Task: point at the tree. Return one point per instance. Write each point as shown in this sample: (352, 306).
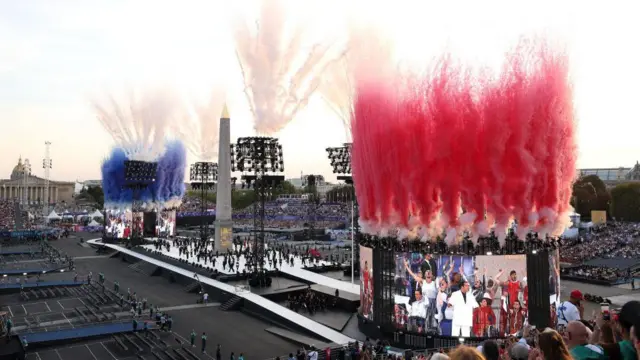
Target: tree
(240, 199)
(590, 193)
(625, 202)
(97, 194)
(196, 194)
(287, 188)
(340, 193)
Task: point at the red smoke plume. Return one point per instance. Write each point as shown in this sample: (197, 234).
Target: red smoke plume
(448, 151)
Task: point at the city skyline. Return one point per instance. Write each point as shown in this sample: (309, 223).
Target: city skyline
(53, 56)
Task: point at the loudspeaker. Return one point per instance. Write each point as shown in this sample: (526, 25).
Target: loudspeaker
(149, 219)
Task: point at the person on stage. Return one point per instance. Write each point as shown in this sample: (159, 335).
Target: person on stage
(483, 317)
(517, 318)
(462, 303)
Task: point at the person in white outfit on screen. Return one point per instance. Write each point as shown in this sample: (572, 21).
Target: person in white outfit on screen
(462, 302)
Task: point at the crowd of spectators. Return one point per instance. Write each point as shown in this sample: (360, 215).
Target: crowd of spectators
(608, 240)
(7, 214)
(595, 272)
(597, 338)
(284, 213)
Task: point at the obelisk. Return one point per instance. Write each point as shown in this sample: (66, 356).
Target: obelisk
(224, 222)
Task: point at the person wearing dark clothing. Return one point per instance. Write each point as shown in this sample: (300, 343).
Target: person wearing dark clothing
(193, 338)
(429, 264)
(218, 353)
(204, 342)
(135, 325)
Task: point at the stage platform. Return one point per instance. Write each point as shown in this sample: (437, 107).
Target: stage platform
(319, 329)
(88, 331)
(41, 284)
(174, 253)
(296, 270)
(31, 270)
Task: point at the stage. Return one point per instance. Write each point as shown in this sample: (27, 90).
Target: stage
(312, 326)
(297, 270)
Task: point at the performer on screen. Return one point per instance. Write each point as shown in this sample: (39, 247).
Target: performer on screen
(429, 264)
(517, 318)
(418, 312)
(553, 321)
(462, 303)
(366, 277)
(504, 312)
(513, 286)
(483, 317)
(428, 289)
(400, 317)
(445, 313)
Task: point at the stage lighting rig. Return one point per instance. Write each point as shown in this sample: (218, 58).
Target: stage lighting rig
(259, 158)
(310, 184)
(203, 176)
(340, 158)
(138, 176)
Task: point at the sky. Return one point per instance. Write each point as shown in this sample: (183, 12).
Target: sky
(55, 55)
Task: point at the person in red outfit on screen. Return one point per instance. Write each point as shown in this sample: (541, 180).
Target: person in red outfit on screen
(513, 286)
(517, 318)
(483, 317)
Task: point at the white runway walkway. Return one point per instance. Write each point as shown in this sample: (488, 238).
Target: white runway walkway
(301, 320)
(296, 270)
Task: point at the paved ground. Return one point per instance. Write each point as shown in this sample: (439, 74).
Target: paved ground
(234, 331)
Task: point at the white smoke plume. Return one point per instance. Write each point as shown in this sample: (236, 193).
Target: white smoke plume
(137, 121)
(200, 128)
(280, 70)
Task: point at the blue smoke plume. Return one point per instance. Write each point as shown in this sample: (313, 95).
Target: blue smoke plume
(166, 192)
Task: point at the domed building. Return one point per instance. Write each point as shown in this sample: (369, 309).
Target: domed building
(12, 188)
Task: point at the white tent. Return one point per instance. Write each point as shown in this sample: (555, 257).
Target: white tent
(67, 215)
(93, 223)
(53, 216)
(96, 214)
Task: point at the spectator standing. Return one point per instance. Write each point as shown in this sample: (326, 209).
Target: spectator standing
(570, 310)
(465, 353)
(577, 339)
(625, 349)
(551, 347)
(204, 342)
(193, 338)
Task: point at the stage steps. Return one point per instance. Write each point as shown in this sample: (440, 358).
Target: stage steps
(232, 304)
(193, 287)
(144, 267)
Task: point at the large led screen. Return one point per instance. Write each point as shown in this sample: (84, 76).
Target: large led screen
(366, 283)
(460, 296)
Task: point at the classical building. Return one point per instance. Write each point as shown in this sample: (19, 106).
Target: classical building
(14, 187)
(614, 176)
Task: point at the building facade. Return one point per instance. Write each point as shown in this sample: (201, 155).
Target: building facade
(613, 176)
(15, 188)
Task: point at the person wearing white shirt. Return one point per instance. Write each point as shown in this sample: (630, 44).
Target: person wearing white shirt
(569, 310)
(418, 312)
(462, 302)
(429, 290)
